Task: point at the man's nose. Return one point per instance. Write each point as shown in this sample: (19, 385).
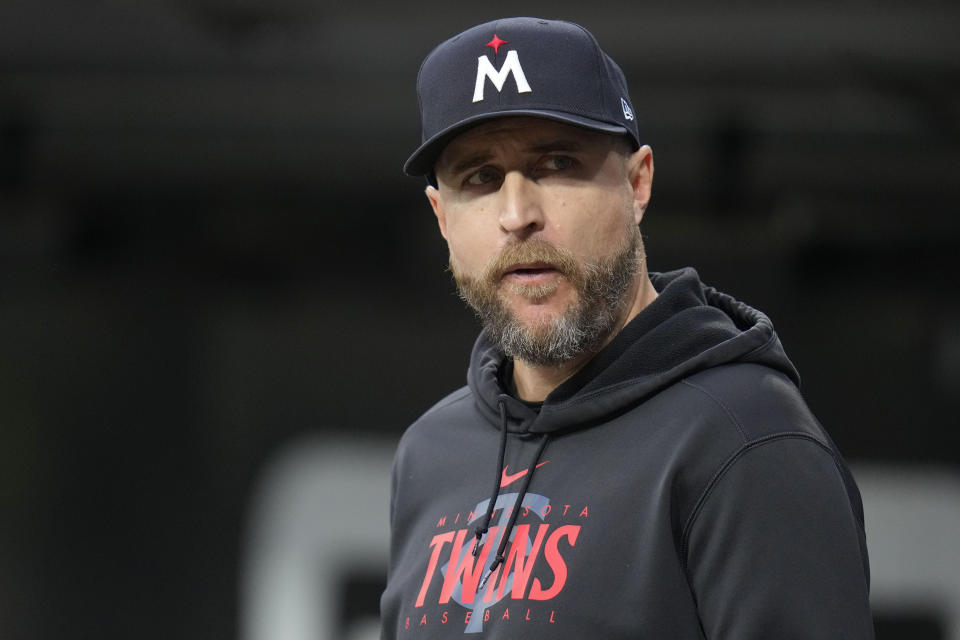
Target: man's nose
(521, 211)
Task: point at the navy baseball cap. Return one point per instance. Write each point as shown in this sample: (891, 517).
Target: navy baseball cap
(518, 67)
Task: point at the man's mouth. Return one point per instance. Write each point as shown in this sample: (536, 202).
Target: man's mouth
(530, 272)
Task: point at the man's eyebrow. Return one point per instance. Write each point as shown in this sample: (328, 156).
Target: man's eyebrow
(470, 162)
(482, 157)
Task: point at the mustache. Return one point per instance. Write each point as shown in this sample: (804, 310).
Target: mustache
(532, 251)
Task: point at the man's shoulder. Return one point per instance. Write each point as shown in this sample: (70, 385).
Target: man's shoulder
(453, 402)
(440, 429)
(760, 401)
(450, 409)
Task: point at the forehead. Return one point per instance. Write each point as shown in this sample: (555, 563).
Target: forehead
(524, 133)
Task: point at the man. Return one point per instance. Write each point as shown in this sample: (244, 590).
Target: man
(631, 457)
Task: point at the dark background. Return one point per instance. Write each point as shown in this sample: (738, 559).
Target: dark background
(207, 248)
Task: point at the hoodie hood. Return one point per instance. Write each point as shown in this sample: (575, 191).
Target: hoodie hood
(688, 328)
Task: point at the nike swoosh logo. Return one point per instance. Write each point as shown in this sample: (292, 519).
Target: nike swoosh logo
(510, 478)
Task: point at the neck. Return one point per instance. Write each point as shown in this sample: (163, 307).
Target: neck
(535, 382)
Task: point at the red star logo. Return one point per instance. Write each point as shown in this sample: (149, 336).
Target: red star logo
(495, 43)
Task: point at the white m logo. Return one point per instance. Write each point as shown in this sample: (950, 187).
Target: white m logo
(510, 65)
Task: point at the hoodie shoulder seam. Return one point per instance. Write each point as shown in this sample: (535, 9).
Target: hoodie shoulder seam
(708, 491)
(717, 401)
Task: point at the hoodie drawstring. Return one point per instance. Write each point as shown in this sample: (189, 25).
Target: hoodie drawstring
(484, 525)
(505, 538)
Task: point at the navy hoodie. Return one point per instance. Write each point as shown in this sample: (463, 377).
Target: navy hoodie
(675, 487)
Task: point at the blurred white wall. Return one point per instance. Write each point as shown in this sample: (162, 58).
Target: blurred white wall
(318, 516)
(913, 532)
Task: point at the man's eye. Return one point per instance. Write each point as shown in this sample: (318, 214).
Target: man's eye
(558, 163)
(481, 177)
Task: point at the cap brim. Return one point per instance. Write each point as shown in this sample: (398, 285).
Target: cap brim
(421, 162)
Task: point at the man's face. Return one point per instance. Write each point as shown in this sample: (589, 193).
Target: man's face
(541, 222)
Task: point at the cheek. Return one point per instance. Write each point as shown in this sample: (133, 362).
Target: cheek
(594, 226)
(470, 245)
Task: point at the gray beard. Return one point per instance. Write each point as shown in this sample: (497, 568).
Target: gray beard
(581, 329)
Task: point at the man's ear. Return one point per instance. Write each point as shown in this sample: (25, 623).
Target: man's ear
(433, 195)
(640, 173)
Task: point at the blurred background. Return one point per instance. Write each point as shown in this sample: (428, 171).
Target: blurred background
(221, 302)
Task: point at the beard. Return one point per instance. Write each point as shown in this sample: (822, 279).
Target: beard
(584, 327)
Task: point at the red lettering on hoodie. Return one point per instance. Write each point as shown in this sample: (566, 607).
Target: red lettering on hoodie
(518, 560)
(463, 568)
(556, 562)
(437, 545)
